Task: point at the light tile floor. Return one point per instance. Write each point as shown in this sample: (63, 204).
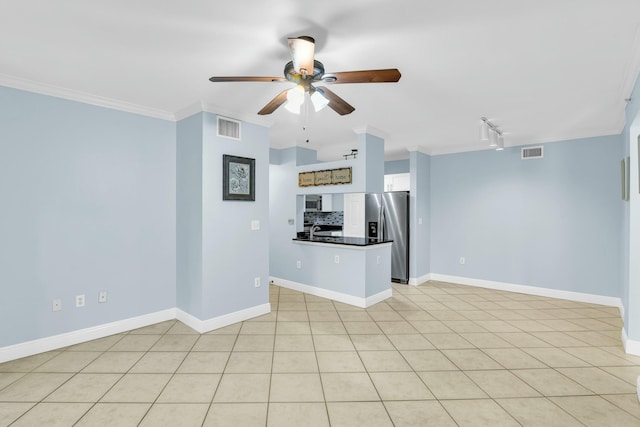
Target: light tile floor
(433, 355)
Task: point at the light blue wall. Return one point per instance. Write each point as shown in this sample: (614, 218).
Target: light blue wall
(396, 166)
(371, 148)
(551, 223)
(189, 215)
(420, 231)
(88, 204)
(233, 254)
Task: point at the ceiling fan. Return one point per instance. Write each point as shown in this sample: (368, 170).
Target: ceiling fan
(305, 72)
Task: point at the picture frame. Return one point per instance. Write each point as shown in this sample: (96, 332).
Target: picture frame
(238, 178)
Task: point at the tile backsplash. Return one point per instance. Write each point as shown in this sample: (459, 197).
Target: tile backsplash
(324, 218)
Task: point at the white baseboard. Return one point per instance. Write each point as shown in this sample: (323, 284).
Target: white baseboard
(41, 345)
(532, 290)
(333, 295)
(203, 326)
(415, 281)
(630, 346)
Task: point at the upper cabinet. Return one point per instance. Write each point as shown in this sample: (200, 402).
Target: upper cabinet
(397, 182)
(327, 203)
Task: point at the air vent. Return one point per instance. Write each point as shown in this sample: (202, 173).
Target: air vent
(532, 153)
(229, 128)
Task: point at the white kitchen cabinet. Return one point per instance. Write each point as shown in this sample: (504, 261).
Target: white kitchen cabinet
(327, 203)
(353, 215)
(397, 182)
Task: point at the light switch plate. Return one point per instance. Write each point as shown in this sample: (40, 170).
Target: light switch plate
(255, 224)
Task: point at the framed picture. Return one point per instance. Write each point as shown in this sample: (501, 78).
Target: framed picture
(238, 178)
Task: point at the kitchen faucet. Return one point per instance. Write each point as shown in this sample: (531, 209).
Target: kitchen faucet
(313, 229)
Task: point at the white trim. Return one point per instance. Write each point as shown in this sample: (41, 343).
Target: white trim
(41, 345)
(203, 326)
(415, 281)
(86, 98)
(630, 346)
(333, 295)
(532, 290)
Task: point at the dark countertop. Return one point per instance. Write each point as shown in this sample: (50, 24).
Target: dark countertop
(339, 240)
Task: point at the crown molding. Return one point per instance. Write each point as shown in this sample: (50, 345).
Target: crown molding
(370, 130)
(86, 98)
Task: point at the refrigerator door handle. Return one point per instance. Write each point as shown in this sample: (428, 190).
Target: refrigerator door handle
(383, 220)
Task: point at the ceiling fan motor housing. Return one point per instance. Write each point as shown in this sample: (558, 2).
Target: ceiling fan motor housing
(293, 76)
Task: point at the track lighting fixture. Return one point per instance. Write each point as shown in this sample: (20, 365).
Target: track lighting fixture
(490, 132)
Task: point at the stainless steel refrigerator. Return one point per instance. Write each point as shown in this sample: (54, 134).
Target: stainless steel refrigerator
(387, 217)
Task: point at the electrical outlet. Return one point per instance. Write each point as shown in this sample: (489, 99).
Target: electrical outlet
(256, 282)
(102, 296)
(255, 224)
(299, 264)
(336, 259)
(57, 305)
(378, 260)
(79, 300)
(419, 221)
(462, 260)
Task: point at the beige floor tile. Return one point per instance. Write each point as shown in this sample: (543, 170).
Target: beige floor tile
(448, 341)
(354, 316)
(597, 380)
(339, 361)
(33, 387)
(200, 362)
(362, 328)
(550, 382)
(243, 388)
(596, 356)
(10, 411)
(371, 342)
(418, 413)
(258, 328)
(452, 385)
(464, 326)
(236, 414)
(559, 339)
(294, 361)
(538, 412)
(323, 316)
(485, 340)
(294, 343)
(227, 330)
(253, 362)
(496, 325)
(556, 358)
(293, 316)
(135, 343)
(190, 388)
(384, 361)
(114, 414)
(159, 362)
(327, 328)
(410, 342)
(348, 387)
(114, 362)
(296, 388)
(358, 414)
(400, 386)
(101, 344)
(334, 343)
(175, 343)
(269, 317)
(396, 327)
(137, 388)
(470, 359)
(7, 378)
(478, 413)
(430, 326)
(254, 343)
(293, 328)
(53, 415)
(28, 364)
(523, 339)
(513, 358)
(84, 388)
(175, 415)
(155, 329)
(320, 306)
(627, 402)
(595, 338)
(415, 315)
(68, 361)
(629, 374)
(291, 306)
(297, 414)
(386, 316)
(428, 360)
(501, 384)
(214, 343)
(595, 411)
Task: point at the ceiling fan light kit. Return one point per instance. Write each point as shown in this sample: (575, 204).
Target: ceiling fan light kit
(304, 71)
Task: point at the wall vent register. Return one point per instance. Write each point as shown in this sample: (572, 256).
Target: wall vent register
(532, 153)
(228, 128)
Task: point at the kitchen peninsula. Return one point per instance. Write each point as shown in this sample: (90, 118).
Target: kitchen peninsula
(351, 270)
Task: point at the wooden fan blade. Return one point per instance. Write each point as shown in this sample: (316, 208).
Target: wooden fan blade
(336, 103)
(390, 75)
(248, 79)
(280, 99)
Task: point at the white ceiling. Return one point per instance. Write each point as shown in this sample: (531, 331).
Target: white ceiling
(542, 70)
